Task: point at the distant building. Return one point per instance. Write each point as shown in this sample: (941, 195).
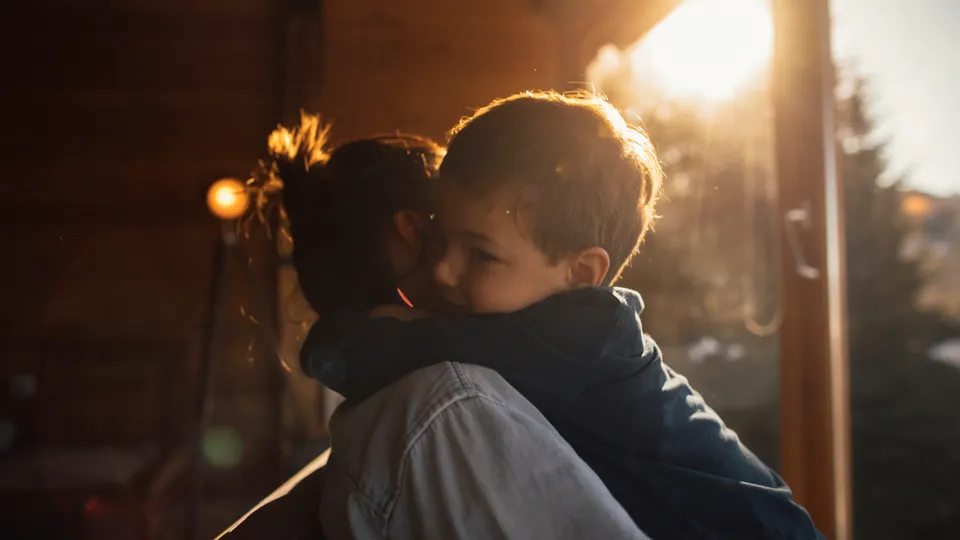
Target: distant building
(937, 244)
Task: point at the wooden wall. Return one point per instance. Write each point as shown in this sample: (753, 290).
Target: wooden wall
(422, 64)
(119, 115)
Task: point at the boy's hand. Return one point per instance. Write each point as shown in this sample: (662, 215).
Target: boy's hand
(398, 312)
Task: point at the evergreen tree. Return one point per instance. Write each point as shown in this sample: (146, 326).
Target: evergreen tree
(905, 410)
(882, 284)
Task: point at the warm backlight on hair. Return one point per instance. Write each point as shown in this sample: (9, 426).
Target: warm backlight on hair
(227, 198)
(708, 49)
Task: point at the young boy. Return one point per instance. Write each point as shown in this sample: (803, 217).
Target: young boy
(543, 199)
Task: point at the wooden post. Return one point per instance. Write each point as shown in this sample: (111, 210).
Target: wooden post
(815, 430)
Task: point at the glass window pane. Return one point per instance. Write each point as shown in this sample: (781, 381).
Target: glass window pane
(709, 272)
(898, 102)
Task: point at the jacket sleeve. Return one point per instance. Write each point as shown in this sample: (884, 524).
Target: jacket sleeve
(482, 469)
(356, 356)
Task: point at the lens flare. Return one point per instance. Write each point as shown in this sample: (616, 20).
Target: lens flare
(227, 198)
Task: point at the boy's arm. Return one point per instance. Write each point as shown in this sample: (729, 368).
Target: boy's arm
(355, 355)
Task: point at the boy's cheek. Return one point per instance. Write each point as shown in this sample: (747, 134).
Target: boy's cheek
(502, 294)
(489, 295)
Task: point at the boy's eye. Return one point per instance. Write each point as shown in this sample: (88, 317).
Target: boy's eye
(482, 256)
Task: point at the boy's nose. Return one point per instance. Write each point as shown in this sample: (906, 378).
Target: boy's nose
(444, 273)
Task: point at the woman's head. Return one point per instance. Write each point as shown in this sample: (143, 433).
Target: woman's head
(355, 213)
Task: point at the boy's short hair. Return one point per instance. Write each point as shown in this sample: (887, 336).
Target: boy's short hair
(340, 202)
(586, 177)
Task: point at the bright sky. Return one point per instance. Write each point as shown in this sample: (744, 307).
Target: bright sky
(910, 50)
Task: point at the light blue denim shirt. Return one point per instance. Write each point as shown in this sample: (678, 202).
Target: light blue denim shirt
(453, 452)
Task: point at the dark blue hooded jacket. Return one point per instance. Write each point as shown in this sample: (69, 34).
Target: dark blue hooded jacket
(582, 359)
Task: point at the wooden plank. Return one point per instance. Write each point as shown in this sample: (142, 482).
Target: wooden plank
(107, 281)
(236, 8)
(418, 66)
(151, 134)
(118, 213)
(162, 250)
(81, 383)
(149, 53)
(814, 427)
(139, 305)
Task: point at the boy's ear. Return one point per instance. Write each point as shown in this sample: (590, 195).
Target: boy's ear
(589, 267)
(408, 225)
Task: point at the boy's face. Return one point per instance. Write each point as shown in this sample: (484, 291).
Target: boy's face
(489, 263)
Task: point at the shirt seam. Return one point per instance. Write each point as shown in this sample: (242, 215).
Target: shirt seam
(469, 390)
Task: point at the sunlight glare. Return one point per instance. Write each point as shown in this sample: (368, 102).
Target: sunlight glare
(708, 49)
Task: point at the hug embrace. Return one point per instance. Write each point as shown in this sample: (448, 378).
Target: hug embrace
(498, 384)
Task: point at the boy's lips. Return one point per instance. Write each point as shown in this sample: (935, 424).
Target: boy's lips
(453, 308)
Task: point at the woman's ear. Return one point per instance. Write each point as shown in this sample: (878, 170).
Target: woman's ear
(405, 243)
(409, 225)
(588, 268)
